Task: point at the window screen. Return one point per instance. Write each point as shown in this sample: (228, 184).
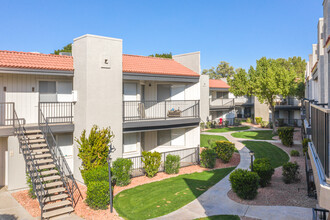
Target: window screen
(64, 88)
(163, 92)
(164, 138)
(222, 95)
(47, 87)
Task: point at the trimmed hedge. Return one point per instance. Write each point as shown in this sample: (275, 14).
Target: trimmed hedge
(286, 135)
(264, 124)
(264, 170)
(151, 161)
(172, 164)
(121, 169)
(290, 172)
(294, 153)
(258, 120)
(98, 195)
(244, 183)
(224, 150)
(208, 158)
(95, 174)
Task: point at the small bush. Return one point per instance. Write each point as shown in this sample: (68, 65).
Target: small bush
(305, 145)
(151, 161)
(237, 122)
(121, 171)
(244, 183)
(208, 124)
(280, 122)
(264, 124)
(226, 123)
(295, 153)
(248, 120)
(172, 164)
(202, 125)
(98, 195)
(208, 158)
(211, 142)
(31, 193)
(264, 170)
(258, 120)
(270, 125)
(95, 174)
(286, 135)
(224, 150)
(290, 172)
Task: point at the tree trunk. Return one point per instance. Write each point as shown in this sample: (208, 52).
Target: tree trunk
(272, 109)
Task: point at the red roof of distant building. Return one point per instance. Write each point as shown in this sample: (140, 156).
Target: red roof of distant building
(131, 63)
(28, 60)
(155, 65)
(218, 83)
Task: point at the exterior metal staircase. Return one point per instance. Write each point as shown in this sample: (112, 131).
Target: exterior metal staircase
(51, 177)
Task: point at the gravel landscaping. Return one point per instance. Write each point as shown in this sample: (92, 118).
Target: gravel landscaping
(278, 193)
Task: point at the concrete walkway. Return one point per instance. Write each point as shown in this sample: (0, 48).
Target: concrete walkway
(216, 202)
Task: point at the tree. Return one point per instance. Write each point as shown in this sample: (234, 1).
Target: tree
(67, 48)
(162, 55)
(223, 70)
(239, 83)
(268, 80)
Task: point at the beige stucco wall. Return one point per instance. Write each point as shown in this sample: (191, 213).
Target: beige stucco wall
(99, 88)
(261, 110)
(190, 60)
(204, 97)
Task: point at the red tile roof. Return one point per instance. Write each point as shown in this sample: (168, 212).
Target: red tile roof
(218, 83)
(13, 59)
(131, 63)
(155, 65)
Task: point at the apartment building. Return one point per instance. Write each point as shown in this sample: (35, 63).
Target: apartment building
(316, 113)
(151, 104)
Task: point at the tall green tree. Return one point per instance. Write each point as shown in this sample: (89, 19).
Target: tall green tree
(67, 48)
(240, 83)
(223, 70)
(162, 55)
(268, 80)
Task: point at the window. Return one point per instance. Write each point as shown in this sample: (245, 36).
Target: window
(222, 95)
(163, 92)
(130, 141)
(175, 137)
(129, 91)
(65, 87)
(47, 87)
(178, 137)
(164, 138)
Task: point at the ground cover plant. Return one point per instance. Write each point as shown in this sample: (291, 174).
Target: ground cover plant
(228, 129)
(257, 135)
(294, 153)
(207, 140)
(162, 197)
(276, 156)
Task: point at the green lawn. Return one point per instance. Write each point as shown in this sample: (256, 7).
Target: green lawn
(162, 197)
(257, 135)
(221, 217)
(205, 139)
(228, 129)
(263, 149)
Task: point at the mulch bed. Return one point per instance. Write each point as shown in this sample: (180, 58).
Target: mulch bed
(279, 193)
(82, 210)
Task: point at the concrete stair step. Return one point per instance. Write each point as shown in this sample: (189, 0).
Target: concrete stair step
(53, 184)
(36, 151)
(32, 132)
(48, 166)
(43, 161)
(53, 191)
(33, 146)
(38, 156)
(57, 212)
(46, 173)
(55, 198)
(34, 136)
(33, 141)
(50, 178)
(57, 205)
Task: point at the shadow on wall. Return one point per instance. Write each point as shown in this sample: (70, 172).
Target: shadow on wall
(8, 217)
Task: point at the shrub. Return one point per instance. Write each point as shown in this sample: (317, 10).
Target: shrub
(202, 125)
(294, 153)
(94, 149)
(270, 125)
(286, 135)
(208, 158)
(95, 174)
(244, 183)
(248, 120)
(224, 150)
(98, 195)
(121, 171)
(264, 170)
(280, 122)
(31, 192)
(264, 124)
(290, 172)
(172, 164)
(208, 124)
(258, 120)
(211, 142)
(305, 144)
(237, 121)
(151, 161)
(226, 123)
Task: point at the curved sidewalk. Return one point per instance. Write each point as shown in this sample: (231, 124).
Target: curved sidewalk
(216, 202)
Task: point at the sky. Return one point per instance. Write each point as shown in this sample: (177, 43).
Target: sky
(235, 31)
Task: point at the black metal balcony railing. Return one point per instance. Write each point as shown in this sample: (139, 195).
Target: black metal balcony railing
(307, 110)
(320, 123)
(231, 101)
(280, 122)
(55, 112)
(288, 101)
(146, 110)
(7, 113)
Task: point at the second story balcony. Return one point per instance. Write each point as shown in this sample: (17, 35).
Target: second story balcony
(226, 103)
(288, 103)
(140, 115)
